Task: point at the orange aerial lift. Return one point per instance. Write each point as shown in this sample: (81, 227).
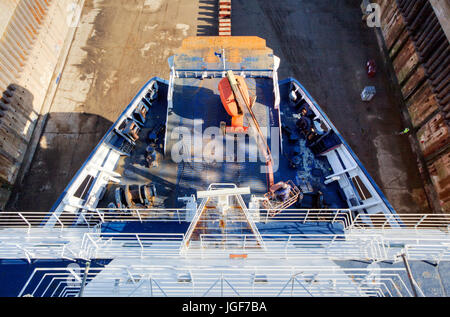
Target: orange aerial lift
(238, 103)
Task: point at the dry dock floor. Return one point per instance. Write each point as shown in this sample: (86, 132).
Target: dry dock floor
(120, 44)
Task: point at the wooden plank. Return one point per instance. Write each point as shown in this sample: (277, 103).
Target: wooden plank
(440, 176)
(434, 135)
(405, 61)
(422, 104)
(403, 38)
(413, 82)
(392, 28)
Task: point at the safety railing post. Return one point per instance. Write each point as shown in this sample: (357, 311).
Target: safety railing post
(382, 248)
(221, 285)
(331, 244)
(286, 247)
(59, 221)
(306, 216)
(386, 222)
(142, 246)
(267, 216)
(420, 221)
(348, 218)
(94, 243)
(354, 222)
(85, 220)
(102, 219)
(139, 215)
(334, 219)
(26, 221)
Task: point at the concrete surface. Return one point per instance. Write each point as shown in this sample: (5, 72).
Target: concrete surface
(122, 43)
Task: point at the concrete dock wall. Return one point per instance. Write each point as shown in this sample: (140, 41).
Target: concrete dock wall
(34, 36)
(416, 35)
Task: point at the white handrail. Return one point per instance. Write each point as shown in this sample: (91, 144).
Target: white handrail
(312, 280)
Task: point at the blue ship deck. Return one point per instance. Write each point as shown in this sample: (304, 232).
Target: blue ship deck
(197, 107)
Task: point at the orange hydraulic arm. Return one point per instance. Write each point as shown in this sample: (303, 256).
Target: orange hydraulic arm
(245, 106)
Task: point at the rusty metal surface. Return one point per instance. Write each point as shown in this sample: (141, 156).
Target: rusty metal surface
(434, 135)
(392, 22)
(440, 174)
(421, 105)
(405, 62)
(199, 53)
(418, 48)
(431, 44)
(420, 53)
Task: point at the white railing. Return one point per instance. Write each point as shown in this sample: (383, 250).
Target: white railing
(95, 245)
(128, 245)
(431, 252)
(221, 74)
(406, 221)
(148, 280)
(296, 246)
(92, 218)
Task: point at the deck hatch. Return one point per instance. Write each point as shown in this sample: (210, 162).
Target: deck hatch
(83, 191)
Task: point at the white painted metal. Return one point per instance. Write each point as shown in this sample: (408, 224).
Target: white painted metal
(160, 281)
(41, 243)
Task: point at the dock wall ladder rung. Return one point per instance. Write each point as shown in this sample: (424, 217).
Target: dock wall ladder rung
(224, 17)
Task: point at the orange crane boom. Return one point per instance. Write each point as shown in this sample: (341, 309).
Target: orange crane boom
(241, 105)
(236, 100)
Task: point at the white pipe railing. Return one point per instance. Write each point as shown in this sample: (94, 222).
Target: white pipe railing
(100, 216)
(351, 246)
(404, 221)
(116, 280)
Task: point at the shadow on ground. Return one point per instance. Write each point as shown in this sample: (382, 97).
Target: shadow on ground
(65, 144)
(208, 18)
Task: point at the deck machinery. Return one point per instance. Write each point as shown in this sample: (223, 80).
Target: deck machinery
(236, 100)
(208, 218)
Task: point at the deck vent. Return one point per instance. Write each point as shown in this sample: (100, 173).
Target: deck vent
(260, 279)
(184, 278)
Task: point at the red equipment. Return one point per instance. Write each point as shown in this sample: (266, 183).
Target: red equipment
(231, 106)
(371, 68)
